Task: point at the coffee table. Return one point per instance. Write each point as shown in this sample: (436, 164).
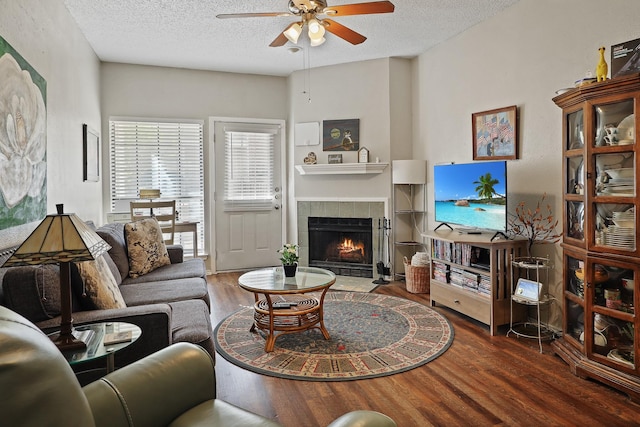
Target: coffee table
(306, 311)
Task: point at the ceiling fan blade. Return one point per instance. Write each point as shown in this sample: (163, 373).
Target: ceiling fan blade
(360, 8)
(281, 40)
(252, 15)
(343, 32)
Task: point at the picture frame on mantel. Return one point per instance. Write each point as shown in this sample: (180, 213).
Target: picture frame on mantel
(90, 154)
(495, 134)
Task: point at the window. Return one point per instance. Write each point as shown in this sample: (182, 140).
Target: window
(160, 154)
(249, 156)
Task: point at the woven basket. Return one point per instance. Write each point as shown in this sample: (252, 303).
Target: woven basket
(416, 277)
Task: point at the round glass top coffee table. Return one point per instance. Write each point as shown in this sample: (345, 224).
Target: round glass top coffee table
(285, 308)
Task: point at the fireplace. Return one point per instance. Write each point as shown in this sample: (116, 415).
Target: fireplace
(342, 245)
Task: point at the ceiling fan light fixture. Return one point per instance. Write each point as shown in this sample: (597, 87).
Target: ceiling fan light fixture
(316, 29)
(293, 32)
(317, 42)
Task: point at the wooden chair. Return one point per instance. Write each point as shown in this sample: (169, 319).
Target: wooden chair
(164, 212)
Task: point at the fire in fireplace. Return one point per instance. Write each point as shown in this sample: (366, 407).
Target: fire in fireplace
(342, 245)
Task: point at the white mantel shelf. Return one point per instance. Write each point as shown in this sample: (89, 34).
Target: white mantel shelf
(341, 168)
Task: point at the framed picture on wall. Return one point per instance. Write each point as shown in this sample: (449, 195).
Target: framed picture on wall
(341, 135)
(495, 134)
(90, 154)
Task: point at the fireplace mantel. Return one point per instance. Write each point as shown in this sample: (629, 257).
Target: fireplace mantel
(341, 168)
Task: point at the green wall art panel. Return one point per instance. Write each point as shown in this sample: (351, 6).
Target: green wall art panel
(23, 140)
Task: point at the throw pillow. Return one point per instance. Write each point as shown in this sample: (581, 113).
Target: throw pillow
(146, 247)
(100, 286)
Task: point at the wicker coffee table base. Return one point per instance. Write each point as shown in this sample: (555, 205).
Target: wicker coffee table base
(307, 314)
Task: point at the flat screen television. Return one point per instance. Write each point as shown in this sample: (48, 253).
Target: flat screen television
(471, 195)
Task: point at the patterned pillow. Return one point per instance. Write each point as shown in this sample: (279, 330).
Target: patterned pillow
(100, 286)
(146, 247)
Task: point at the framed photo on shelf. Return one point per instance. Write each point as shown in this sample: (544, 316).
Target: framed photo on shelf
(90, 154)
(341, 135)
(495, 134)
(334, 158)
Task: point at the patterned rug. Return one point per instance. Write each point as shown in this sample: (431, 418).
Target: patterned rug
(371, 336)
(353, 284)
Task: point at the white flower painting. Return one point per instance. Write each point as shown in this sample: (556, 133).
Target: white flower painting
(23, 143)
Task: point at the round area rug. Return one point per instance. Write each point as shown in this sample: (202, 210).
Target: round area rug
(371, 336)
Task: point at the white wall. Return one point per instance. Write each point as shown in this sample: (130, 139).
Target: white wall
(521, 56)
(378, 93)
(158, 92)
(44, 33)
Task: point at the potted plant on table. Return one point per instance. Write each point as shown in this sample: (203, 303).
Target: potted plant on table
(289, 257)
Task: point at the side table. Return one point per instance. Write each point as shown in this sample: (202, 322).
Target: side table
(93, 334)
(536, 269)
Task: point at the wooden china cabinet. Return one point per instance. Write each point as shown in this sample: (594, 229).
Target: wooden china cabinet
(601, 251)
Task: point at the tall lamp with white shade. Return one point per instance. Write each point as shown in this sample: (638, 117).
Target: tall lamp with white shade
(61, 239)
(409, 172)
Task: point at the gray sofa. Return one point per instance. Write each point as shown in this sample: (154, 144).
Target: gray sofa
(170, 304)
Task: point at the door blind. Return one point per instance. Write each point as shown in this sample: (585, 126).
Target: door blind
(249, 168)
(160, 154)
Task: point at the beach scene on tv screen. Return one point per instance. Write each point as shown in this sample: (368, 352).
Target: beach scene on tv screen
(471, 194)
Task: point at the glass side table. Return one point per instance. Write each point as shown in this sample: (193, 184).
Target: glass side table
(93, 334)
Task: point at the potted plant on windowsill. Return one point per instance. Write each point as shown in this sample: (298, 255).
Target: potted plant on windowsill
(536, 225)
(289, 258)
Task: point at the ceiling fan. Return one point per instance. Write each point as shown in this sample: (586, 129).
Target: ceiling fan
(309, 11)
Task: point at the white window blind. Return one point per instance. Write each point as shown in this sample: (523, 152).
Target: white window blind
(160, 154)
(249, 156)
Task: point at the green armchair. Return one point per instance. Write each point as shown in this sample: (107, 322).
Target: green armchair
(173, 387)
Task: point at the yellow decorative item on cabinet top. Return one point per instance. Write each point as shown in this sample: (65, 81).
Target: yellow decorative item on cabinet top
(602, 68)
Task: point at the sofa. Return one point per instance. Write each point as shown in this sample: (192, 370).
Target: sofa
(174, 387)
(170, 304)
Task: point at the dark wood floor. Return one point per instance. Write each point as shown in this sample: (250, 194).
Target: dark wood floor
(480, 381)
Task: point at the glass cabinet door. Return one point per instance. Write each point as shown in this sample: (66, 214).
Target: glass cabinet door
(615, 124)
(575, 130)
(574, 297)
(613, 312)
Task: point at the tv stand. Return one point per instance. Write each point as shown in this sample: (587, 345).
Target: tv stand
(471, 275)
(441, 224)
(499, 233)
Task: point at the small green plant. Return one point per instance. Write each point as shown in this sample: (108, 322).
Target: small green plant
(289, 254)
(535, 225)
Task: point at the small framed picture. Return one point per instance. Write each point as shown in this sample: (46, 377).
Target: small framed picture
(90, 154)
(363, 155)
(495, 134)
(334, 158)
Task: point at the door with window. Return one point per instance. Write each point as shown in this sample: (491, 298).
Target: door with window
(248, 194)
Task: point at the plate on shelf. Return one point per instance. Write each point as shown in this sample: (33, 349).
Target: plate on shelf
(618, 357)
(620, 173)
(627, 129)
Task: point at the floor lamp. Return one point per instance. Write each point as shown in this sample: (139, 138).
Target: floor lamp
(61, 239)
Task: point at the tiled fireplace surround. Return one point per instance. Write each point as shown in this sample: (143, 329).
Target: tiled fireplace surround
(376, 209)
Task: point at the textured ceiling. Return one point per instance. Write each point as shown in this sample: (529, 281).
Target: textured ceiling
(187, 34)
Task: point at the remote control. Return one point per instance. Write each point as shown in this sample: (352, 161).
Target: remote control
(284, 304)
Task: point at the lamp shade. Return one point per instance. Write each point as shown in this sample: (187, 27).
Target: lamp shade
(409, 171)
(59, 238)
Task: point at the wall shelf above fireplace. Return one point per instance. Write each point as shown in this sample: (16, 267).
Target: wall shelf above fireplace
(341, 168)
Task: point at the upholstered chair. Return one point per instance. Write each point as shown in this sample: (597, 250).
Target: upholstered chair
(175, 387)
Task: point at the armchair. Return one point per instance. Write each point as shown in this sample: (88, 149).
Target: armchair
(173, 387)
